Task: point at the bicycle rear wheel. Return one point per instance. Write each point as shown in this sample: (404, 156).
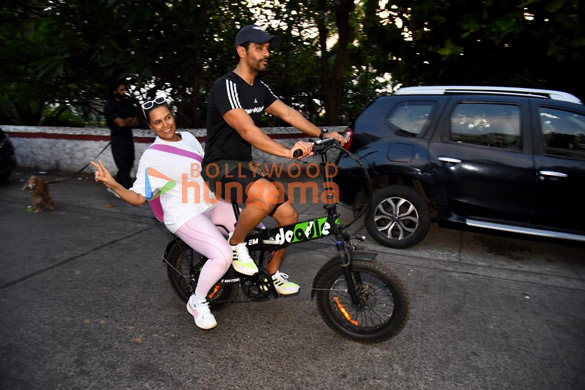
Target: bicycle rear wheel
(183, 269)
(383, 307)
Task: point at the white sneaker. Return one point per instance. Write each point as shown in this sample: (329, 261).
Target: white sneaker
(241, 260)
(201, 313)
(282, 284)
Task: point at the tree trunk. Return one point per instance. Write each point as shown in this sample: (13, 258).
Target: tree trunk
(331, 79)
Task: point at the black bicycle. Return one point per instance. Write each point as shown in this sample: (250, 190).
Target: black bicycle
(358, 296)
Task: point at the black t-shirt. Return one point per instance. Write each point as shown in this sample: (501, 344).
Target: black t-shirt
(114, 109)
(231, 92)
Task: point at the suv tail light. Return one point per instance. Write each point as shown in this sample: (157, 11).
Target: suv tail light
(348, 135)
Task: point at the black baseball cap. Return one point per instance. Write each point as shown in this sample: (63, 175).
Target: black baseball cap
(256, 34)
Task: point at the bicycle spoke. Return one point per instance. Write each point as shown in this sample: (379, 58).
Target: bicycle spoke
(379, 303)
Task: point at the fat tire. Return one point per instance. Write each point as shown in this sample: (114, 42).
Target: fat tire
(410, 195)
(185, 287)
(371, 272)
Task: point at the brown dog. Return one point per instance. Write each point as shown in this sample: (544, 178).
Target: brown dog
(39, 193)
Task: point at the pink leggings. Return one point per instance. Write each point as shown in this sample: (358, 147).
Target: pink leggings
(201, 234)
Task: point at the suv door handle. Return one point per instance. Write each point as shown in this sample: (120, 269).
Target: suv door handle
(553, 174)
(450, 160)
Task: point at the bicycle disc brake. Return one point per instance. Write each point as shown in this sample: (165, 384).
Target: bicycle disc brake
(258, 286)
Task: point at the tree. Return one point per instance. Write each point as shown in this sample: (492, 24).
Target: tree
(294, 73)
(537, 43)
(305, 57)
(68, 51)
(333, 64)
(32, 79)
(59, 54)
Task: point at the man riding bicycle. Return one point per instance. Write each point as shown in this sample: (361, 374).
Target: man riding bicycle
(236, 102)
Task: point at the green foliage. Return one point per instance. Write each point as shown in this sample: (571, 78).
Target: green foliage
(64, 116)
(67, 51)
(537, 43)
(61, 54)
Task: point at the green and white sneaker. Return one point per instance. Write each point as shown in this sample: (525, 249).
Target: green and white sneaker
(283, 285)
(241, 260)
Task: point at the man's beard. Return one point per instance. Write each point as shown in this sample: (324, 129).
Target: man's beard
(258, 66)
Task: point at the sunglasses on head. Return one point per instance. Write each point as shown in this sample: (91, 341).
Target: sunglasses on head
(151, 103)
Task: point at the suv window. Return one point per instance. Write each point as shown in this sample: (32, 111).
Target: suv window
(495, 125)
(563, 133)
(410, 117)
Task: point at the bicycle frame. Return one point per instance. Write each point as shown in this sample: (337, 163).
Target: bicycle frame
(272, 239)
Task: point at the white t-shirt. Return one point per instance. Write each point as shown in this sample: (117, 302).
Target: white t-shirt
(183, 192)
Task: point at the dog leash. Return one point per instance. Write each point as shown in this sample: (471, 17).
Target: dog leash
(75, 175)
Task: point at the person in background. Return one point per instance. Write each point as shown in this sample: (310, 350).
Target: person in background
(121, 118)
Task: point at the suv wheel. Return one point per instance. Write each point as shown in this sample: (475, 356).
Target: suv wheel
(399, 217)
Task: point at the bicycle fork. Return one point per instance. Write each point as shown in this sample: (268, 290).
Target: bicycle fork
(344, 252)
(341, 238)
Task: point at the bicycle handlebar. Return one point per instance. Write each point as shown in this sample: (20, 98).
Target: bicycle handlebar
(319, 146)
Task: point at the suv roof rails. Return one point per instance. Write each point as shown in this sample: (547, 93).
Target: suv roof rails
(462, 89)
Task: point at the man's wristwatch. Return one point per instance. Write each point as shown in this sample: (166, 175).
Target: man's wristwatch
(323, 132)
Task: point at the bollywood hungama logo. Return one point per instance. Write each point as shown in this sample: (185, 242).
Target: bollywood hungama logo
(302, 191)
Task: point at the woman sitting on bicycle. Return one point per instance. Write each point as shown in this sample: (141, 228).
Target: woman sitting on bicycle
(194, 219)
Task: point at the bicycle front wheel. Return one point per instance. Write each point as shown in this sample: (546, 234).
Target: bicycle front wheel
(383, 303)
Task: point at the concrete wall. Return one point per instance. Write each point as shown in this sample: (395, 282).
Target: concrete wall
(68, 149)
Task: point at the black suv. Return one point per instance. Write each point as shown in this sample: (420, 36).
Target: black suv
(500, 158)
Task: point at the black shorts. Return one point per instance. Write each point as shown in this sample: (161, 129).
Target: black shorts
(229, 180)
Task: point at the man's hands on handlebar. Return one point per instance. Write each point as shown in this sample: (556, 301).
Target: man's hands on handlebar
(336, 136)
(304, 149)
